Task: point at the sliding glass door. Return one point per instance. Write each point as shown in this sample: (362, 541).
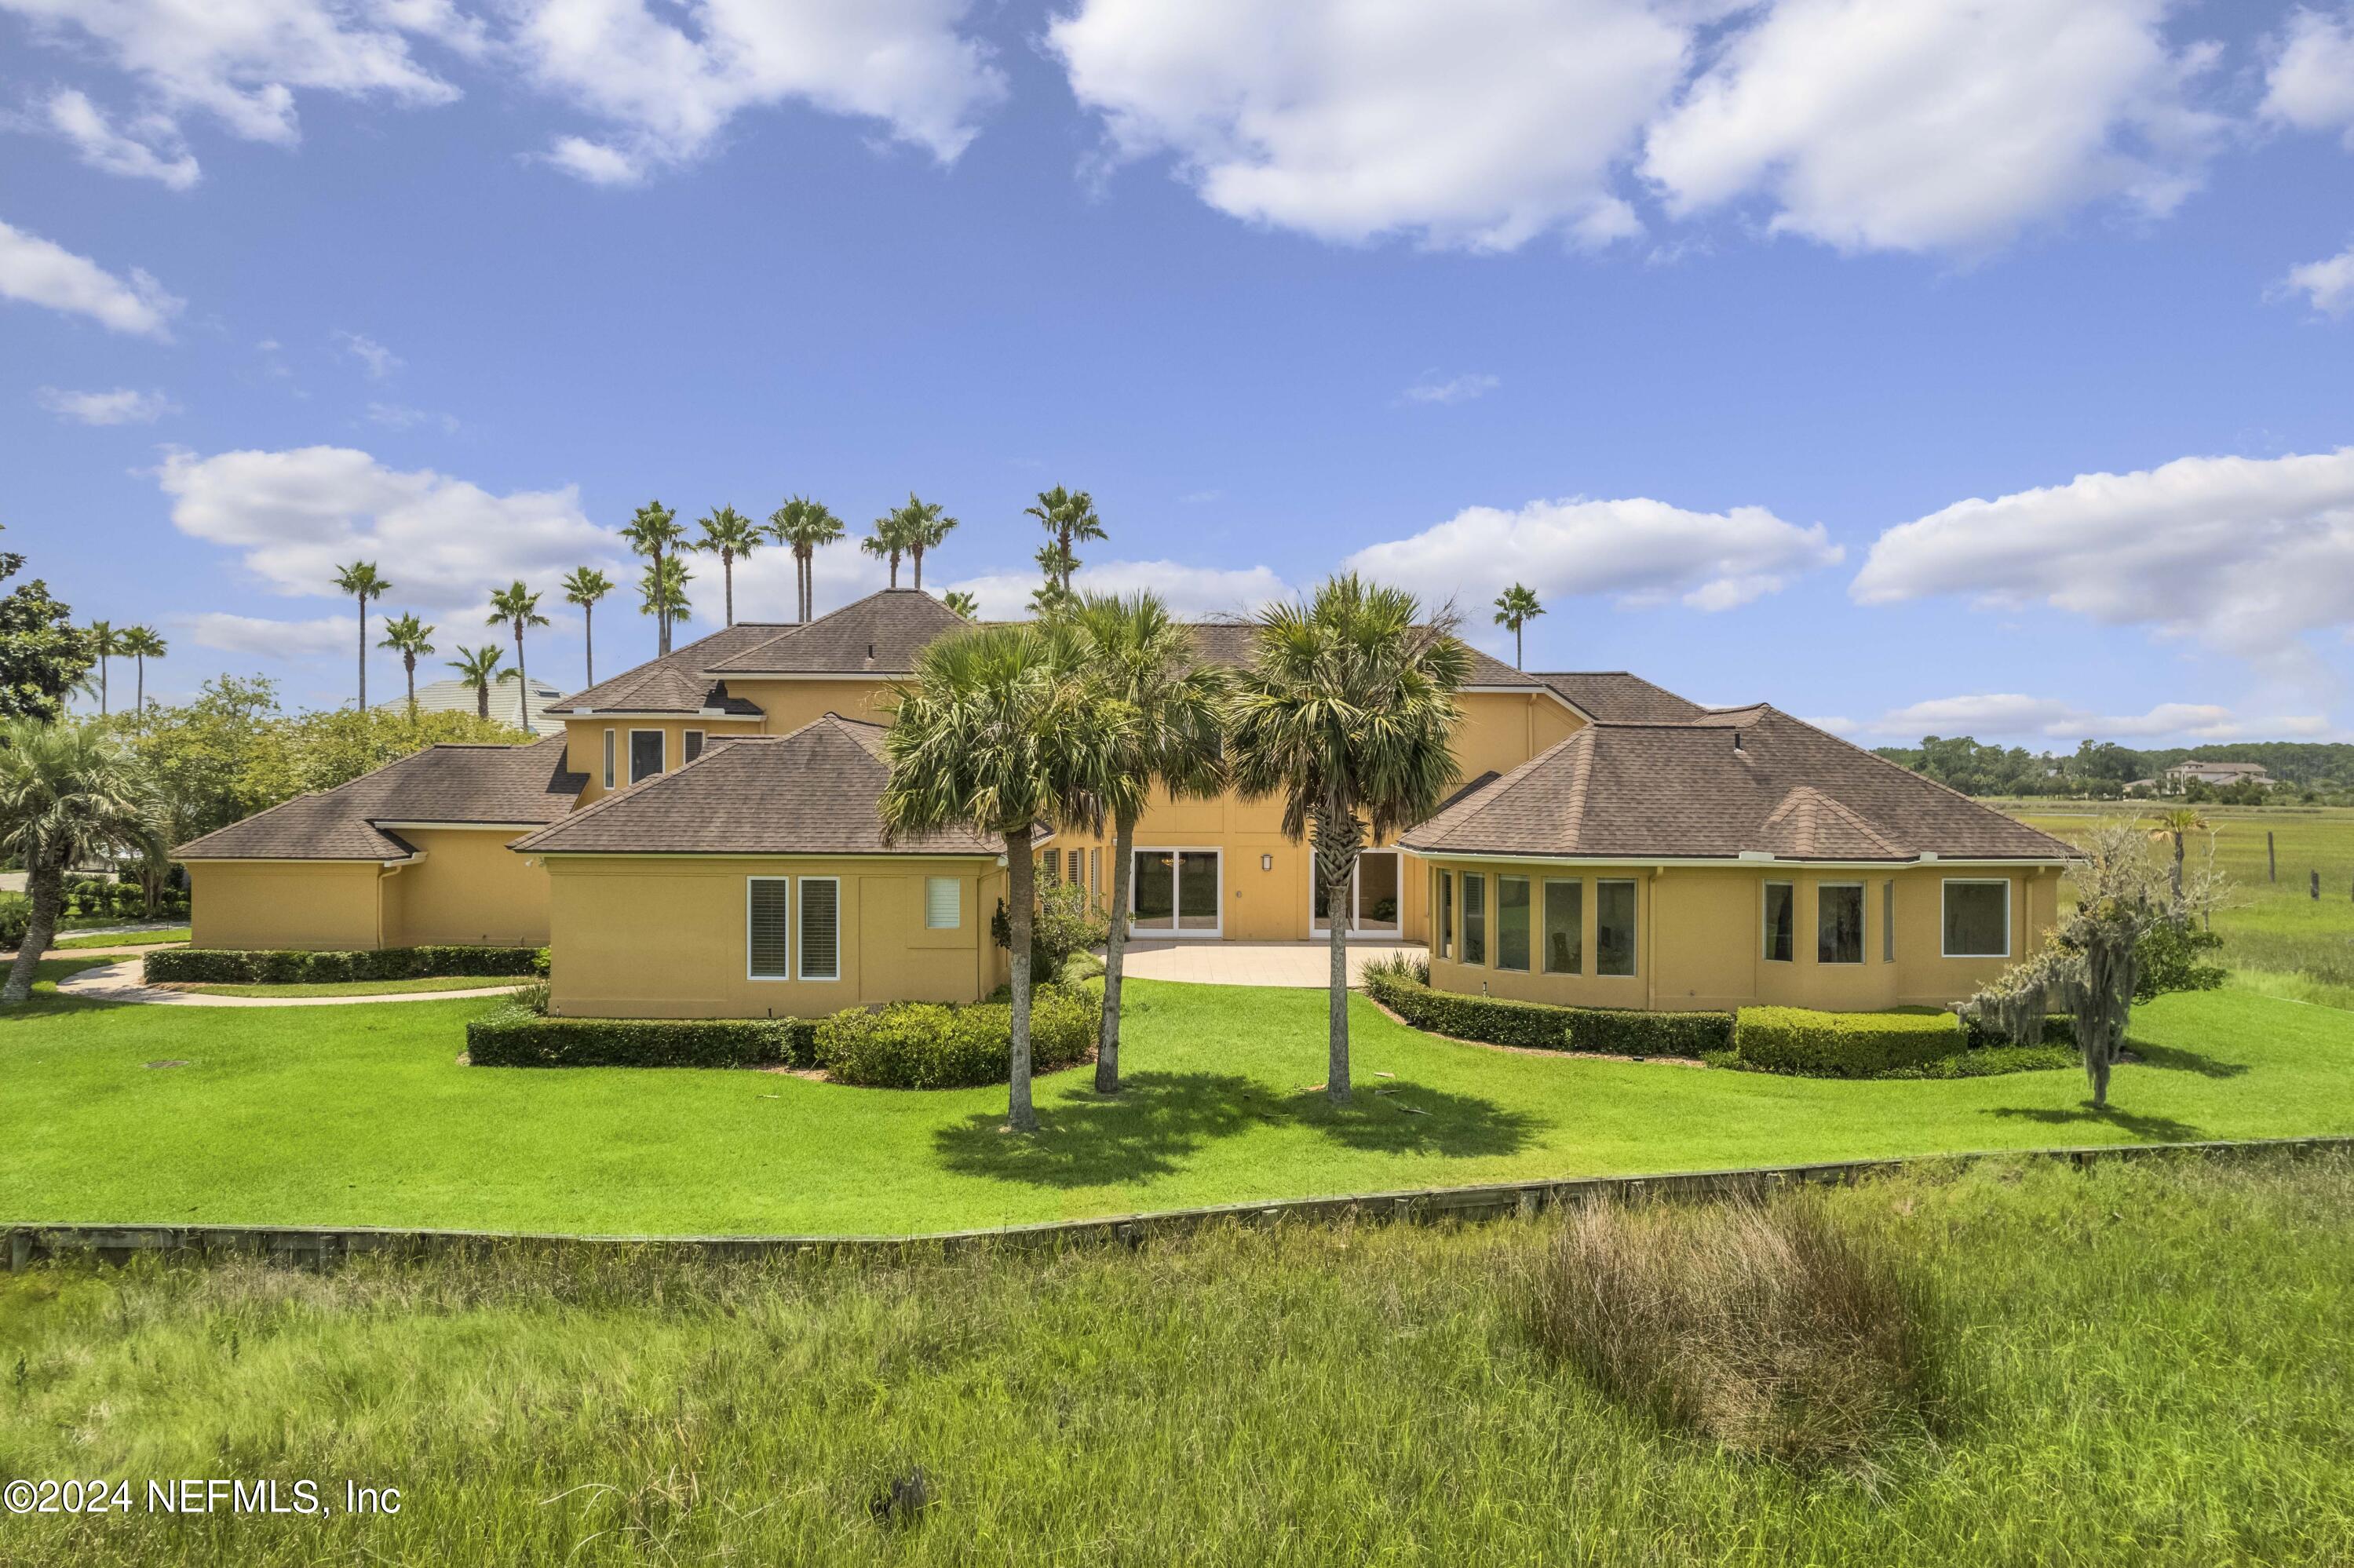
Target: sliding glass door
(1373, 896)
(1175, 892)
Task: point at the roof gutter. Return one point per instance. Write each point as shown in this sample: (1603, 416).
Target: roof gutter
(1750, 860)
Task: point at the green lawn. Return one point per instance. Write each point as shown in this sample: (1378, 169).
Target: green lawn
(360, 987)
(122, 940)
(361, 1115)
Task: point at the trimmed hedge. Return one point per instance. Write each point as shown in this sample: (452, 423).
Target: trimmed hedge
(516, 1036)
(1539, 1026)
(279, 966)
(1842, 1045)
(934, 1045)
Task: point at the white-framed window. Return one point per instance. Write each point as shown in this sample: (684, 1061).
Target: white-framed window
(1614, 927)
(1888, 921)
(1475, 918)
(767, 952)
(820, 928)
(943, 903)
(1564, 927)
(1977, 917)
(691, 746)
(1838, 921)
(1781, 922)
(1050, 867)
(645, 754)
(608, 758)
(1513, 923)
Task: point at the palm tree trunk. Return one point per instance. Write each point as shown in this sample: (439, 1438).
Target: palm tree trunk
(139, 696)
(47, 885)
(2178, 871)
(523, 687)
(1020, 1116)
(1123, 850)
(483, 700)
(589, 639)
(1337, 837)
(894, 571)
(409, 664)
(1516, 647)
(101, 686)
(919, 557)
(363, 652)
(727, 575)
(661, 611)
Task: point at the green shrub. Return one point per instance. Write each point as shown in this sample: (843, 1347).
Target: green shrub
(934, 1045)
(515, 1035)
(225, 965)
(1402, 985)
(1065, 920)
(2165, 959)
(1842, 1045)
(16, 914)
(2059, 1029)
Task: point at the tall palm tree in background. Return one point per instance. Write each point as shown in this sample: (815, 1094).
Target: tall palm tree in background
(662, 593)
(1069, 517)
(923, 527)
(2173, 823)
(1347, 712)
(1000, 732)
(585, 586)
(804, 524)
(518, 607)
(887, 540)
(730, 536)
(478, 667)
(962, 603)
(67, 792)
(362, 580)
(651, 533)
(1515, 607)
(104, 641)
(143, 643)
(412, 640)
(1141, 657)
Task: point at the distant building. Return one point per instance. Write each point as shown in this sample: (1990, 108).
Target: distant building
(458, 697)
(2222, 775)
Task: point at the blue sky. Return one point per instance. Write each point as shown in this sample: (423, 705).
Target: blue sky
(1769, 343)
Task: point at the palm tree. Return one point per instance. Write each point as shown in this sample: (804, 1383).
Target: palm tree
(362, 580)
(662, 593)
(889, 539)
(2172, 823)
(1070, 517)
(652, 531)
(584, 588)
(67, 792)
(1142, 658)
(478, 667)
(1347, 712)
(1515, 607)
(962, 603)
(518, 607)
(412, 640)
(104, 641)
(143, 643)
(999, 732)
(804, 524)
(1050, 600)
(730, 536)
(923, 527)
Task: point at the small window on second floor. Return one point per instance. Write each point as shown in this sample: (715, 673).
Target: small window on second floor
(692, 747)
(645, 754)
(609, 760)
(943, 903)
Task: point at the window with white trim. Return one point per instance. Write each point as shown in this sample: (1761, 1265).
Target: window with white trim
(608, 758)
(1513, 923)
(645, 754)
(1978, 918)
(943, 903)
(692, 748)
(1564, 927)
(1839, 923)
(1446, 901)
(1781, 922)
(1078, 865)
(1475, 918)
(820, 928)
(768, 955)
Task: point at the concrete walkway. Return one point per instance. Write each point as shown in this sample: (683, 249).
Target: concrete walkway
(120, 982)
(1301, 965)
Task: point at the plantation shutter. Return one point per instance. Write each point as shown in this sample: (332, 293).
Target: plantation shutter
(820, 928)
(766, 900)
(943, 903)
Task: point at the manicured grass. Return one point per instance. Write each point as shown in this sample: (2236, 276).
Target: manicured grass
(2148, 1365)
(360, 987)
(123, 939)
(361, 1115)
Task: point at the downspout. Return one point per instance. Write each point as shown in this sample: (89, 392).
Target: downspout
(385, 871)
(1650, 958)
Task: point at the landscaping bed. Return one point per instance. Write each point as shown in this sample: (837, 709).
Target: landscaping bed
(286, 965)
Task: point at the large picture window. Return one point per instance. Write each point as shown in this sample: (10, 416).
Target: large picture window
(820, 928)
(1977, 919)
(1614, 927)
(1475, 917)
(767, 955)
(1513, 923)
(1781, 922)
(645, 754)
(1839, 923)
(1564, 927)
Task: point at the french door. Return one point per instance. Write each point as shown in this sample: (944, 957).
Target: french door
(1175, 892)
(1375, 898)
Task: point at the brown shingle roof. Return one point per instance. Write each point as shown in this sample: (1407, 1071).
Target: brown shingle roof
(449, 783)
(813, 791)
(1684, 791)
(675, 683)
(1229, 642)
(878, 635)
(1613, 697)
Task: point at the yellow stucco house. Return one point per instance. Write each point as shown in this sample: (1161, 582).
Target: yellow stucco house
(702, 841)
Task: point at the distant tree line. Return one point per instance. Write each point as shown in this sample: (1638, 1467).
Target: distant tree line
(2305, 771)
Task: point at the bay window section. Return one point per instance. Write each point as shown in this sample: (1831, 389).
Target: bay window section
(1781, 922)
(1564, 927)
(1445, 914)
(1614, 927)
(1513, 923)
(1475, 917)
(1977, 919)
(1839, 923)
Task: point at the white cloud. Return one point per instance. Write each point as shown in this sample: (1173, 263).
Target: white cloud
(670, 89)
(400, 416)
(2328, 285)
(255, 634)
(1477, 126)
(1929, 125)
(150, 148)
(41, 272)
(124, 405)
(295, 515)
(1453, 389)
(2010, 713)
(1195, 593)
(2244, 554)
(2310, 81)
(379, 360)
(1643, 551)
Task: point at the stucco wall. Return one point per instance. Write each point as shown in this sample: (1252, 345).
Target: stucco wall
(584, 742)
(664, 938)
(470, 889)
(323, 906)
(789, 704)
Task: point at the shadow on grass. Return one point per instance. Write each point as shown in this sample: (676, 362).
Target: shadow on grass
(1149, 1128)
(2143, 1129)
(1390, 1117)
(2173, 1059)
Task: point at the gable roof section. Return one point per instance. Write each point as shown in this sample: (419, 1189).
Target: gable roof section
(1613, 697)
(1684, 792)
(675, 683)
(459, 785)
(812, 792)
(878, 635)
